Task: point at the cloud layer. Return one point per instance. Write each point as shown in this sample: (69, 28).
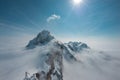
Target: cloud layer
(53, 17)
(15, 61)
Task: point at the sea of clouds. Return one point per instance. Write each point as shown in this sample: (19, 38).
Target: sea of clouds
(101, 63)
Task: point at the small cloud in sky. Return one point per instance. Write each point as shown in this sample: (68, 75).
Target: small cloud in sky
(53, 17)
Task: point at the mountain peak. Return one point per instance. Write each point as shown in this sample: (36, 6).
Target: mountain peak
(42, 38)
(51, 61)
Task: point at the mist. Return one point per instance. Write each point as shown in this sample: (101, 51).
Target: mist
(101, 63)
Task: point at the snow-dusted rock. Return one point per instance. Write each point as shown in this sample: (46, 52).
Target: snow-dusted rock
(76, 46)
(42, 38)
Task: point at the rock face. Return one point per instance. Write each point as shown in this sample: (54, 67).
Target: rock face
(42, 38)
(52, 61)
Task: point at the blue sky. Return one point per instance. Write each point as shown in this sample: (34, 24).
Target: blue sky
(89, 18)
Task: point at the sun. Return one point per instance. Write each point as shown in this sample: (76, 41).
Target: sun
(76, 2)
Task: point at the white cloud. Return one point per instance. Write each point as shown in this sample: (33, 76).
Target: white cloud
(53, 17)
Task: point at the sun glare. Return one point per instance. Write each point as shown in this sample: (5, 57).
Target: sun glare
(76, 2)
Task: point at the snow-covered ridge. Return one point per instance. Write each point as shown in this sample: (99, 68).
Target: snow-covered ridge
(53, 55)
(57, 51)
(45, 37)
(76, 46)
